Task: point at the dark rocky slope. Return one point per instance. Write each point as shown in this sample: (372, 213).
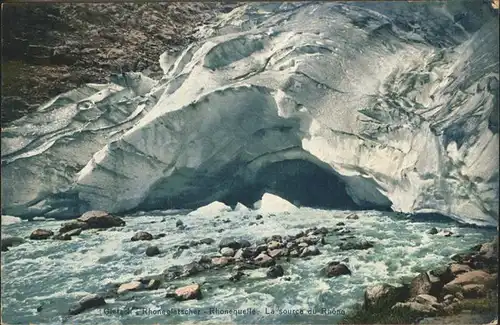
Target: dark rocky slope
(52, 48)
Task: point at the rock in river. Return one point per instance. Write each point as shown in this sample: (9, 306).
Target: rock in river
(131, 286)
(363, 244)
(41, 234)
(227, 251)
(275, 271)
(383, 296)
(11, 241)
(334, 269)
(142, 235)
(101, 220)
(87, 302)
(152, 251)
(310, 251)
(264, 260)
(229, 242)
(192, 291)
(73, 225)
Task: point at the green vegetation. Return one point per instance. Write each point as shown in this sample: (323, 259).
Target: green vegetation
(360, 315)
(481, 305)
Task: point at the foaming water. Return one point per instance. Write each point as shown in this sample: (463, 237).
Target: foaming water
(55, 274)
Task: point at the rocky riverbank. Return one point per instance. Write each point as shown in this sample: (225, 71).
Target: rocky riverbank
(462, 292)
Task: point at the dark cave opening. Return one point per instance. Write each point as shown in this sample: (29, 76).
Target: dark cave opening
(297, 181)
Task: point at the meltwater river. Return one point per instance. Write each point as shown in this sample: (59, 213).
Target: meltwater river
(41, 280)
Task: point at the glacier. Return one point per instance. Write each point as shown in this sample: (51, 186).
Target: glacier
(388, 106)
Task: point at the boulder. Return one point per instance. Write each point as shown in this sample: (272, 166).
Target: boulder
(179, 223)
(359, 245)
(310, 239)
(243, 253)
(207, 241)
(10, 242)
(448, 297)
(334, 269)
(323, 230)
(87, 302)
(275, 253)
(205, 260)
(221, 261)
(383, 296)
(192, 291)
(244, 243)
(421, 284)
(227, 251)
(432, 231)
(452, 308)
(152, 251)
(229, 242)
(192, 269)
(416, 307)
(472, 277)
(443, 273)
(142, 235)
(452, 289)
(73, 225)
(152, 284)
(237, 276)
(427, 300)
(277, 238)
(474, 291)
(489, 250)
(131, 286)
(41, 234)
(173, 272)
(273, 245)
(457, 269)
(264, 260)
(275, 271)
(100, 220)
(310, 251)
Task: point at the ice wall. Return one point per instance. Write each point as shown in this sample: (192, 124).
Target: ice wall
(399, 101)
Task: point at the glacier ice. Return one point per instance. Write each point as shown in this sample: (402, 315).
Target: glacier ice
(8, 220)
(271, 203)
(241, 208)
(212, 209)
(397, 100)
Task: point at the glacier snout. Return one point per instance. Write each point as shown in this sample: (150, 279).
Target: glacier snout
(376, 114)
